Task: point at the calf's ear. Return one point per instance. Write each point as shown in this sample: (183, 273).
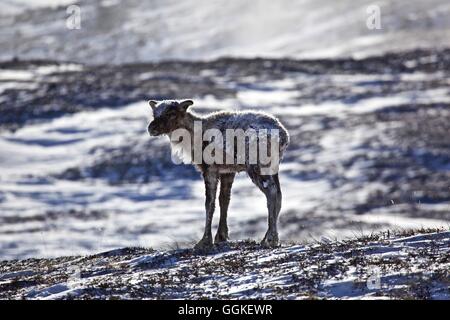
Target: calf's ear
(153, 104)
(186, 104)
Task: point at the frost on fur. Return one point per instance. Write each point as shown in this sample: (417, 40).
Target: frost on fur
(220, 145)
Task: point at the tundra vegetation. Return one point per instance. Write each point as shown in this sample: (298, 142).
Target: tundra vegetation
(408, 264)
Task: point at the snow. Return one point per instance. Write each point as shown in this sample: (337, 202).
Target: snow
(348, 127)
(159, 214)
(381, 266)
(26, 75)
(194, 30)
(19, 6)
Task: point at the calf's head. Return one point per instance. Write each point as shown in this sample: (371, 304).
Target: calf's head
(168, 116)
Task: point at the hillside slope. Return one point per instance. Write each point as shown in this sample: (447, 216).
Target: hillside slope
(199, 29)
(405, 265)
(79, 174)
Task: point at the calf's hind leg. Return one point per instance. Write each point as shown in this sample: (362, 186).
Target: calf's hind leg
(226, 181)
(270, 186)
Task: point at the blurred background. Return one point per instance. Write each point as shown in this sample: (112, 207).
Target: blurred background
(362, 86)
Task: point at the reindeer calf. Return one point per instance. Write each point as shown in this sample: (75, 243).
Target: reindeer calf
(171, 116)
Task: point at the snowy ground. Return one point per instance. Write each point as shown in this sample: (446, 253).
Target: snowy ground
(79, 174)
(410, 265)
(142, 31)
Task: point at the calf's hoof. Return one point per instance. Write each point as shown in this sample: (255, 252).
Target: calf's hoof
(204, 245)
(220, 237)
(270, 240)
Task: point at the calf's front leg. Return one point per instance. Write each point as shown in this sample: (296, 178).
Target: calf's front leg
(226, 181)
(211, 181)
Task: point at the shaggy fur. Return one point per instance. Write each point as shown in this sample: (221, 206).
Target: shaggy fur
(172, 115)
